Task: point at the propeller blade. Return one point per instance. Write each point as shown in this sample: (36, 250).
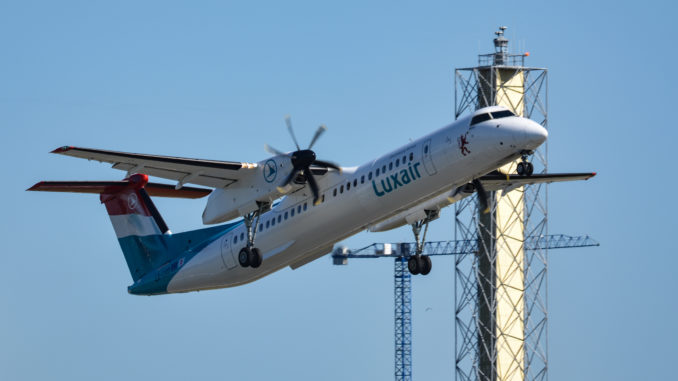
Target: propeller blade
(322, 163)
(288, 122)
(314, 186)
(318, 132)
(482, 196)
(291, 177)
(272, 150)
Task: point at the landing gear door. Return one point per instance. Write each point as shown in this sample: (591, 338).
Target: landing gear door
(227, 252)
(426, 158)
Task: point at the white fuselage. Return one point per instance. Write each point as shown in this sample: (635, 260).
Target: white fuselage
(357, 199)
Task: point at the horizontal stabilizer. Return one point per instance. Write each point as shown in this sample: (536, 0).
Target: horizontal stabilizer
(99, 187)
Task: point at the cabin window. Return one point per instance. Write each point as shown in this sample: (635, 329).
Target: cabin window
(377, 174)
(355, 183)
(426, 148)
(362, 179)
(335, 192)
(292, 212)
(411, 156)
(242, 236)
(298, 209)
(273, 222)
(323, 198)
(390, 166)
(304, 207)
(348, 186)
(341, 189)
(235, 239)
(285, 215)
(261, 226)
(267, 224)
(369, 176)
(404, 159)
(383, 169)
(397, 162)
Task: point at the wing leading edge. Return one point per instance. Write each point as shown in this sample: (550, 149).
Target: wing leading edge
(500, 181)
(211, 173)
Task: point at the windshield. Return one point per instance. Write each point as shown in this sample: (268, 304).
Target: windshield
(493, 115)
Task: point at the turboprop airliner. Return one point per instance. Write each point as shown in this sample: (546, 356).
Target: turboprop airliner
(292, 208)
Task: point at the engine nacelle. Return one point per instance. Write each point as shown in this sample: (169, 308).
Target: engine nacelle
(418, 212)
(241, 198)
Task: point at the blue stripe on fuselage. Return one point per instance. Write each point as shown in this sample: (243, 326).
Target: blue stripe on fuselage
(174, 251)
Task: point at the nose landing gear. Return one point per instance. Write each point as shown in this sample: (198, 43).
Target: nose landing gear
(525, 168)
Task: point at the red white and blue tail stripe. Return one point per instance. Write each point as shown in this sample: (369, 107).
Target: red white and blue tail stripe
(141, 231)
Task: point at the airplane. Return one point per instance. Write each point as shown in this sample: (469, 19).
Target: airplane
(292, 208)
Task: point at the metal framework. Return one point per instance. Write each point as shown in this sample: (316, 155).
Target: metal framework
(400, 252)
(500, 289)
(402, 290)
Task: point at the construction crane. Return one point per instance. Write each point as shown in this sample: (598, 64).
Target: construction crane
(401, 252)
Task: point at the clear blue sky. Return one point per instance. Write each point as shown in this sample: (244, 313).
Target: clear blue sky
(211, 80)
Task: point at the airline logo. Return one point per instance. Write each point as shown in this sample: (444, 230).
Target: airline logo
(132, 202)
(270, 171)
(391, 182)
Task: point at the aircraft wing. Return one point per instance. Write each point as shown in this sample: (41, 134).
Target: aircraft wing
(499, 181)
(211, 173)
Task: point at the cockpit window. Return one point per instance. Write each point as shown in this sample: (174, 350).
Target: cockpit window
(502, 114)
(480, 118)
(493, 115)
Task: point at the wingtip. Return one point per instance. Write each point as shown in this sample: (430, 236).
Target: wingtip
(35, 187)
(62, 149)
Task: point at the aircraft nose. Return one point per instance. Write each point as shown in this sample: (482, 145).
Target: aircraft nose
(535, 134)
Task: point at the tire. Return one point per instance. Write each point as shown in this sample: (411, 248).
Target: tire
(426, 264)
(530, 169)
(244, 257)
(520, 169)
(255, 258)
(413, 265)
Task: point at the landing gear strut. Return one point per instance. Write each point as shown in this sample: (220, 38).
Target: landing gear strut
(525, 168)
(421, 264)
(250, 255)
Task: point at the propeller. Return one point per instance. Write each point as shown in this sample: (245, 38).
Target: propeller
(482, 196)
(302, 159)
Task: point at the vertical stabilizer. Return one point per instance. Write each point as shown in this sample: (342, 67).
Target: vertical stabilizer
(137, 224)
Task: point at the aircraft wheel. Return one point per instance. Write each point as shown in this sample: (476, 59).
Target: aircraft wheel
(414, 264)
(521, 168)
(426, 264)
(530, 169)
(255, 258)
(244, 257)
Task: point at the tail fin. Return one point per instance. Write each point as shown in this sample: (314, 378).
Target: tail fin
(140, 229)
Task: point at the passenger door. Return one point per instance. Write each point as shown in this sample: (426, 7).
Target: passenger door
(426, 158)
(227, 252)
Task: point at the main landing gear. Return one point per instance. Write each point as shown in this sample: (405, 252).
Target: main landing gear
(525, 168)
(421, 264)
(250, 256)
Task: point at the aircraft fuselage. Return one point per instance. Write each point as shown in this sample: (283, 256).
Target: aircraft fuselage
(295, 231)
